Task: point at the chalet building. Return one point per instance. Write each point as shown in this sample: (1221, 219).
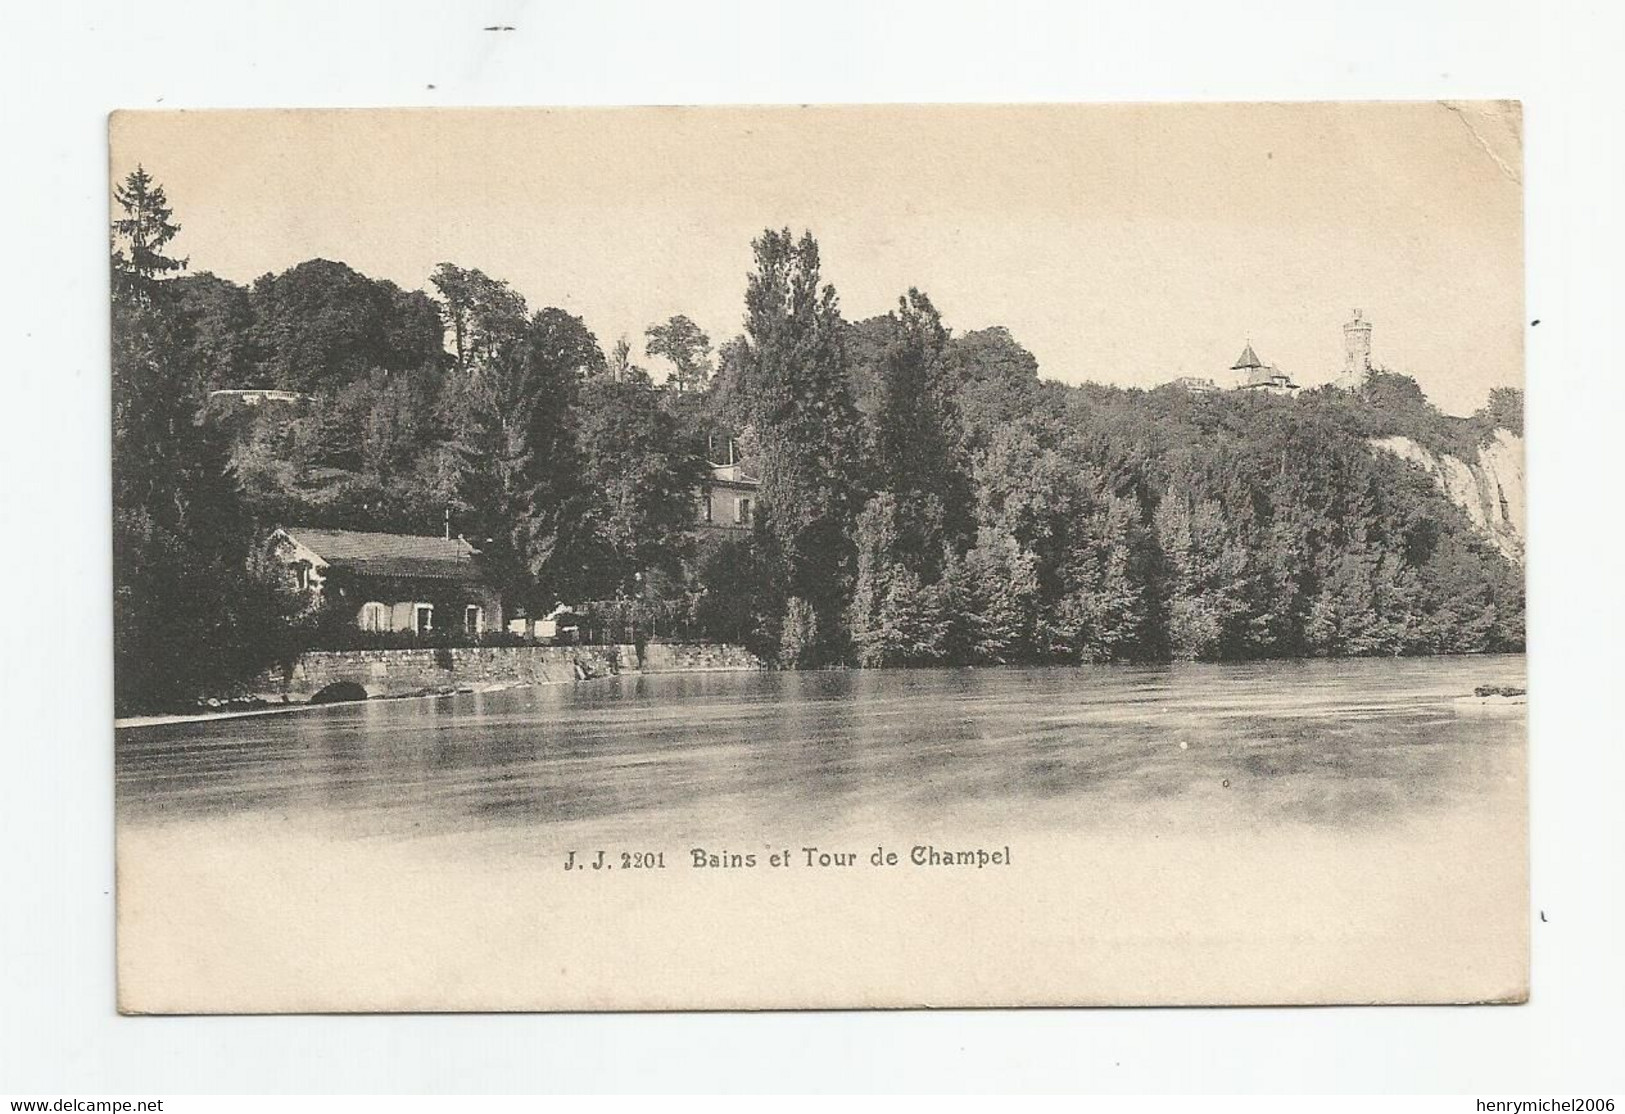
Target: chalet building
(389, 582)
(1256, 375)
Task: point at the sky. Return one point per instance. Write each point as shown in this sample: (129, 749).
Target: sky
(1124, 244)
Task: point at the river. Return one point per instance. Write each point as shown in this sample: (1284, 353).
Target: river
(1299, 807)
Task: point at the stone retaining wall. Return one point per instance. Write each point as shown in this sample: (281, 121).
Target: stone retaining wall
(473, 668)
(696, 657)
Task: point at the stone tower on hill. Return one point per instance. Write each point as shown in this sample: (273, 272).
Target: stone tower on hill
(1356, 353)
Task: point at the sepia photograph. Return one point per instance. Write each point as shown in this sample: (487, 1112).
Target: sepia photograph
(602, 559)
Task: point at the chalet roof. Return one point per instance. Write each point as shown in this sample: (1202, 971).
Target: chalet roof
(1247, 359)
(414, 556)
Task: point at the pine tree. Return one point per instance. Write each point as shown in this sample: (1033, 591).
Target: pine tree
(520, 461)
(140, 236)
(190, 619)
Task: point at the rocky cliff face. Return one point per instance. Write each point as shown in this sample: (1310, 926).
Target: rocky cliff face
(1489, 489)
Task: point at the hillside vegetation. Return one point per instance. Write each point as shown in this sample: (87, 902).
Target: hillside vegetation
(926, 496)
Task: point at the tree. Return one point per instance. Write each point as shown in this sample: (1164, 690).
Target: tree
(520, 465)
(217, 324)
(322, 325)
(190, 619)
(481, 313)
(794, 377)
(895, 618)
(642, 476)
(925, 496)
(1103, 611)
(737, 600)
(1344, 618)
(1504, 410)
(621, 369)
(1208, 571)
(166, 464)
(392, 426)
(730, 395)
(920, 516)
(914, 435)
(140, 236)
(996, 588)
(686, 346)
(412, 333)
(996, 382)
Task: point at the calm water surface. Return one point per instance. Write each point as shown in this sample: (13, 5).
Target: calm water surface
(1354, 744)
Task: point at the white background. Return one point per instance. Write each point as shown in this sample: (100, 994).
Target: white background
(64, 69)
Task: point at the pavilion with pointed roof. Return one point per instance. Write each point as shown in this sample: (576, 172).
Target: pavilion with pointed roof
(1256, 375)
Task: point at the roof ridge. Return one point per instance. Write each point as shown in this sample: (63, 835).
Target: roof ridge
(349, 530)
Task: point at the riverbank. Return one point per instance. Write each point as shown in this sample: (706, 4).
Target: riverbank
(321, 678)
(305, 706)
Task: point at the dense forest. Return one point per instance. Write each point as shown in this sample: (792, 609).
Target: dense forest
(926, 497)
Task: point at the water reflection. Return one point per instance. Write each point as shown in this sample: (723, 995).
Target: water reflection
(1340, 743)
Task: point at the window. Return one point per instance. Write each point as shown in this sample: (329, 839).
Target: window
(423, 618)
(472, 619)
(743, 512)
(708, 506)
(374, 617)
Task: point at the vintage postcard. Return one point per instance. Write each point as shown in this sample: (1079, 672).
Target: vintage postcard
(761, 558)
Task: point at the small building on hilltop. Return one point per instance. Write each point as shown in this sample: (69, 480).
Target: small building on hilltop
(1249, 373)
(404, 583)
(1194, 383)
(1255, 375)
(257, 396)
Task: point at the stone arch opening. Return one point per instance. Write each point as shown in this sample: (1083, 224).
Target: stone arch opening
(339, 692)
